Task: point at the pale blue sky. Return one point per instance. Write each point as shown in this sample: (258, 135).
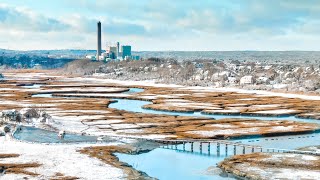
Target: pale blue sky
(161, 24)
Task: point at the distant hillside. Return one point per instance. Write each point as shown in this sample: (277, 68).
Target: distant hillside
(11, 59)
(252, 56)
(277, 57)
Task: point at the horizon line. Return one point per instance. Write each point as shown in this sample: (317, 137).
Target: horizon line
(165, 50)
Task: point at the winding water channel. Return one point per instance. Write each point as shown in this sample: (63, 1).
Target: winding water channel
(31, 134)
(177, 164)
(137, 106)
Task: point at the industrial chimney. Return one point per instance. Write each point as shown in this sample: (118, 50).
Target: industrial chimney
(98, 40)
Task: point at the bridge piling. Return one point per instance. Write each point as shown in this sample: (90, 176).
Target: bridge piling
(191, 146)
(226, 149)
(168, 144)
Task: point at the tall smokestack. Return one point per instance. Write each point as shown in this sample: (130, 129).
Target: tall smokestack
(98, 40)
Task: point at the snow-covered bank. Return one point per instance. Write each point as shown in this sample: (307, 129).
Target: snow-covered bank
(97, 78)
(269, 166)
(56, 159)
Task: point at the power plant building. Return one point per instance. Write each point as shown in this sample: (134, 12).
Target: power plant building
(118, 49)
(112, 52)
(126, 51)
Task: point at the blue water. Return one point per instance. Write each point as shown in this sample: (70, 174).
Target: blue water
(183, 164)
(137, 106)
(175, 164)
(168, 164)
(32, 134)
(284, 142)
(178, 164)
(134, 90)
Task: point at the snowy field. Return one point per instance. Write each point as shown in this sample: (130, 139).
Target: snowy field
(56, 159)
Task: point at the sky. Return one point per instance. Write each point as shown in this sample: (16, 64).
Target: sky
(161, 25)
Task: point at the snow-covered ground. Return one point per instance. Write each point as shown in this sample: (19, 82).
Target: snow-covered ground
(258, 92)
(224, 132)
(99, 79)
(284, 173)
(274, 166)
(82, 89)
(276, 112)
(56, 159)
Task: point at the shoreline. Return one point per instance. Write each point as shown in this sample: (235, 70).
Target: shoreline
(272, 166)
(153, 82)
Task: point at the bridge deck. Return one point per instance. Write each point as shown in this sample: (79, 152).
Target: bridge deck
(219, 142)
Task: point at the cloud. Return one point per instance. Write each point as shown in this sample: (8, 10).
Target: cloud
(125, 29)
(166, 17)
(17, 19)
(245, 17)
(170, 24)
(12, 18)
(264, 17)
(113, 26)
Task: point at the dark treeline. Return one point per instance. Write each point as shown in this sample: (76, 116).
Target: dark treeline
(25, 61)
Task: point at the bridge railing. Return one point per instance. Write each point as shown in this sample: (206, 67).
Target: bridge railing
(229, 147)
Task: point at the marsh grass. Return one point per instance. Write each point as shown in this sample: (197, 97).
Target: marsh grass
(18, 168)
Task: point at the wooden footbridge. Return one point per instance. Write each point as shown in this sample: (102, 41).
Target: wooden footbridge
(217, 147)
(214, 146)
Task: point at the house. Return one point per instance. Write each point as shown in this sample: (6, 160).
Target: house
(246, 80)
